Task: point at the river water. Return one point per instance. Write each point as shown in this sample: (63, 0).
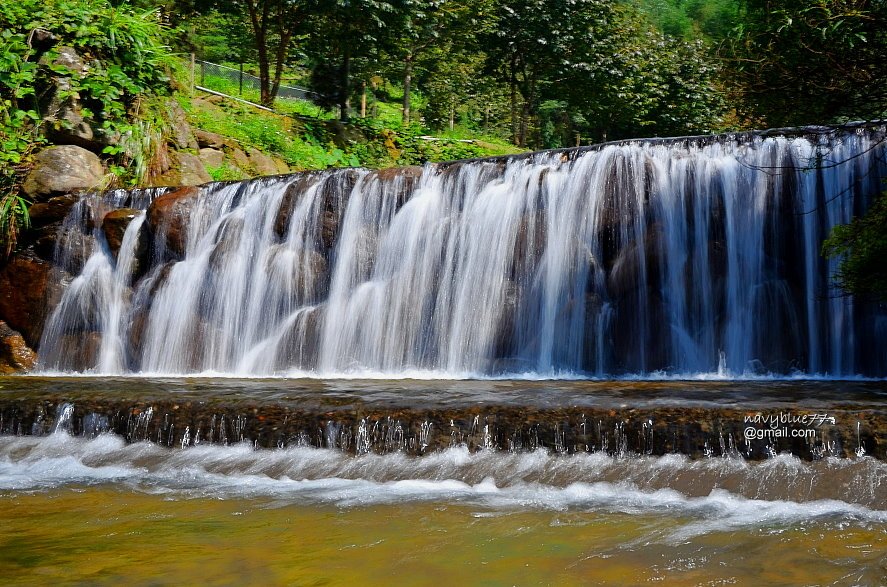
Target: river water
(96, 509)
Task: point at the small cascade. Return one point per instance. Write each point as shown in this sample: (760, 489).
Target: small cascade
(676, 257)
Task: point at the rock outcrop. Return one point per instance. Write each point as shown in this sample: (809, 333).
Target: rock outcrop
(63, 169)
(24, 288)
(15, 355)
(169, 215)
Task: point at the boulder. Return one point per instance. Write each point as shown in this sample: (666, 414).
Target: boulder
(65, 122)
(63, 169)
(241, 160)
(68, 247)
(114, 226)
(53, 210)
(212, 157)
(25, 287)
(261, 163)
(169, 215)
(211, 140)
(15, 355)
(192, 170)
(181, 136)
(400, 180)
(281, 165)
(187, 170)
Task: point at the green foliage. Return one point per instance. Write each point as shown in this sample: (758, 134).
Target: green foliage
(861, 246)
(224, 173)
(615, 76)
(819, 61)
(709, 20)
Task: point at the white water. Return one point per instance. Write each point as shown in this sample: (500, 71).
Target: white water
(714, 494)
(663, 260)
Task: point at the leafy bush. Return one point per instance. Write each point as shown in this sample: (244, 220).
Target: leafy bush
(862, 247)
(127, 57)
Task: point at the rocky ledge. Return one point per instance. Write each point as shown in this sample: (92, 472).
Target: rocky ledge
(694, 419)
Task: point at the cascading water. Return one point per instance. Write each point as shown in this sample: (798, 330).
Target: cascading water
(685, 256)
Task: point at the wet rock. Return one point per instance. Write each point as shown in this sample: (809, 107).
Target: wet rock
(61, 170)
(68, 245)
(81, 349)
(212, 157)
(262, 164)
(529, 243)
(300, 345)
(292, 195)
(306, 269)
(15, 355)
(169, 216)
(399, 180)
(25, 287)
(53, 210)
(114, 226)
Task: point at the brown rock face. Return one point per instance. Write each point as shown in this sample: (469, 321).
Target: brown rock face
(24, 287)
(114, 226)
(168, 217)
(181, 131)
(212, 157)
(192, 170)
(15, 355)
(211, 140)
(53, 210)
(61, 170)
(186, 169)
(262, 163)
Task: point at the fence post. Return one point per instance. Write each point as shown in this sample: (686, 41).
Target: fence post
(241, 78)
(192, 75)
(203, 73)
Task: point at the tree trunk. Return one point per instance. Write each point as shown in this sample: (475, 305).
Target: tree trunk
(363, 100)
(452, 112)
(345, 97)
(280, 59)
(260, 30)
(514, 116)
(407, 81)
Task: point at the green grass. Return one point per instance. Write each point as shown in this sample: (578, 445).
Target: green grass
(304, 137)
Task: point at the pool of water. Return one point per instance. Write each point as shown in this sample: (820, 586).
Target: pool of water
(96, 509)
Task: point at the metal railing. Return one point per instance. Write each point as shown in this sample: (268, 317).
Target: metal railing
(205, 70)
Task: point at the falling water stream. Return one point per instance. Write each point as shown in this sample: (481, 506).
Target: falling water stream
(676, 257)
(228, 310)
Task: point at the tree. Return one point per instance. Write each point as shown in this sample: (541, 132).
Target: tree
(862, 247)
(601, 71)
(274, 24)
(349, 33)
(818, 61)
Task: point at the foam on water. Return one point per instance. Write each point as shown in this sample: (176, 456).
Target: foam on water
(711, 494)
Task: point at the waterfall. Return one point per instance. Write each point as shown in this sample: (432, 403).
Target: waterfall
(673, 257)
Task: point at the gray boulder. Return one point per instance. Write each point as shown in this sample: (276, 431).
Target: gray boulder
(261, 163)
(212, 157)
(61, 170)
(192, 170)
